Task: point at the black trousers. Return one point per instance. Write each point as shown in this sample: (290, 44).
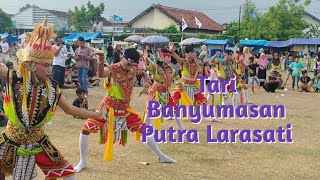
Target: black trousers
(58, 74)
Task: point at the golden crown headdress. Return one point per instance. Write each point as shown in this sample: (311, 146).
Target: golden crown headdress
(39, 48)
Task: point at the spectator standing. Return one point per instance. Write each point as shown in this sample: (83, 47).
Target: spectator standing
(83, 57)
(5, 48)
(109, 53)
(59, 62)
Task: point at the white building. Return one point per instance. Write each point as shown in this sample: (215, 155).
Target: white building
(25, 20)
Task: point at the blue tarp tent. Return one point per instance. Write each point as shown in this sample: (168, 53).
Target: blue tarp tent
(218, 42)
(294, 41)
(217, 45)
(279, 44)
(304, 41)
(10, 39)
(87, 37)
(254, 43)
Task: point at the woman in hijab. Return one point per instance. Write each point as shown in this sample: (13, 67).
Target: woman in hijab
(204, 54)
(246, 62)
(276, 63)
(263, 64)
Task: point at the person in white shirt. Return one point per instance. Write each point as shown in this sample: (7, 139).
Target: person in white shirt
(59, 61)
(5, 48)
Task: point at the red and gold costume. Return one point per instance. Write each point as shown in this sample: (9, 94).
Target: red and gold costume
(120, 116)
(30, 104)
(163, 76)
(191, 93)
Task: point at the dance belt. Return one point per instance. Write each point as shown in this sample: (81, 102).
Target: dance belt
(19, 135)
(117, 104)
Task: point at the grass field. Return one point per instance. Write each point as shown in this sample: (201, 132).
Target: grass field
(300, 160)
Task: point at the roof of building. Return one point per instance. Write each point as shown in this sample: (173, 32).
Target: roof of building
(58, 13)
(105, 22)
(312, 16)
(189, 16)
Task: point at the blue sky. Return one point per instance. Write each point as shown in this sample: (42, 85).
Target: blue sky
(220, 11)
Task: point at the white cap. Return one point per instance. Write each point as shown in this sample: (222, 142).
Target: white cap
(2, 37)
(135, 45)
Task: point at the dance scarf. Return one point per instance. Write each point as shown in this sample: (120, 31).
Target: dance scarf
(108, 153)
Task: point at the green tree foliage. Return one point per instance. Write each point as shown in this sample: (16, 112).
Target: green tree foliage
(6, 25)
(281, 22)
(84, 18)
(312, 31)
(171, 29)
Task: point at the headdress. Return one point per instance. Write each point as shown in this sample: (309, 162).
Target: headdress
(39, 48)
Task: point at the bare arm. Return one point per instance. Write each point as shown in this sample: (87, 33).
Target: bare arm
(172, 49)
(74, 111)
(214, 58)
(102, 71)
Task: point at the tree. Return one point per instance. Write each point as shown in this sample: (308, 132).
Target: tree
(6, 25)
(84, 18)
(312, 31)
(283, 21)
(24, 7)
(171, 29)
(250, 19)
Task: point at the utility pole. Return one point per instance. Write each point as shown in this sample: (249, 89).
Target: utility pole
(239, 24)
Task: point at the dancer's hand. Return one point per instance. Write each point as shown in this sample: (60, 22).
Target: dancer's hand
(180, 87)
(101, 112)
(172, 48)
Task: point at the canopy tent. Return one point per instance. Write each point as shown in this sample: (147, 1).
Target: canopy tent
(294, 41)
(218, 42)
(191, 41)
(134, 38)
(10, 38)
(155, 40)
(87, 37)
(304, 41)
(254, 43)
(279, 44)
(217, 45)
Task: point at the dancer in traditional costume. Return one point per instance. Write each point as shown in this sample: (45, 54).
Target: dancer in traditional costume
(163, 76)
(119, 82)
(189, 92)
(30, 102)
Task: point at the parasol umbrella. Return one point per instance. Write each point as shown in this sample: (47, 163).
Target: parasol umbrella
(190, 41)
(155, 40)
(134, 38)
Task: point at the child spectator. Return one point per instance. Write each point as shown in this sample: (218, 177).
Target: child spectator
(281, 84)
(296, 69)
(74, 75)
(305, 82)
(289, 70)
(316, 82)
(92, 82)
(81, 101)
(68, 83)
(253, 73)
